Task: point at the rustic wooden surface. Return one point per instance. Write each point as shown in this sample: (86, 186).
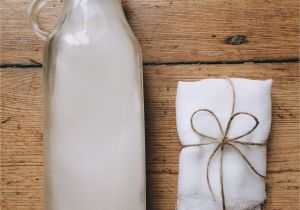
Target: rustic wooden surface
(22, 137)
(181, 40)
(178, 30)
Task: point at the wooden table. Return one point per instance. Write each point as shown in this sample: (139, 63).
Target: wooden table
(181, 40)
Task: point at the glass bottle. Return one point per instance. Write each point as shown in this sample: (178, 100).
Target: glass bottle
(94, 118)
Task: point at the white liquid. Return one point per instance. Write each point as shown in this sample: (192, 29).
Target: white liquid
(95, 134)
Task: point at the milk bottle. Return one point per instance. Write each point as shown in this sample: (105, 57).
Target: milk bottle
(94, 121)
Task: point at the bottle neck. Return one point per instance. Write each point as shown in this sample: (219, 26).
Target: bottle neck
(87, 20)
(106, 7)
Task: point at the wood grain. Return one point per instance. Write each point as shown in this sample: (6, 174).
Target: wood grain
(177, 31)
(21, 124)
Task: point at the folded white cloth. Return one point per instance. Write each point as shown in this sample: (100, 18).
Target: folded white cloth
(243, 189)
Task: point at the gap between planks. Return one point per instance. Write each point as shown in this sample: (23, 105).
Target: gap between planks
(289, 60)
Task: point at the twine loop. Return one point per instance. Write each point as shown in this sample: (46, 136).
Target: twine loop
(225, 140)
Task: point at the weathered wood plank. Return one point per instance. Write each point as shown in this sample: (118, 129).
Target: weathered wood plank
(177, 31)
(21, 124)
(22, 187)
(24, 191)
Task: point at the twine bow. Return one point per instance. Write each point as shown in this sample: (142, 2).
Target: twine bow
(224, 140)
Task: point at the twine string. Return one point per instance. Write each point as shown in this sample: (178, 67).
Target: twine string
(223, 141)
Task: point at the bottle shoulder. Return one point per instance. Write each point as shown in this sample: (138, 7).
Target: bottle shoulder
(113, 36)
(93, 39)
(93, 30)
(113, 40)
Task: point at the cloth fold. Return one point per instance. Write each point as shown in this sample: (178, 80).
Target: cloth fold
(242, 188)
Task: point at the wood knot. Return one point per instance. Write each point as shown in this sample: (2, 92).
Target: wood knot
(236, 40)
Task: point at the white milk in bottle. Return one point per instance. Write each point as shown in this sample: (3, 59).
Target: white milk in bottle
(94, 121)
